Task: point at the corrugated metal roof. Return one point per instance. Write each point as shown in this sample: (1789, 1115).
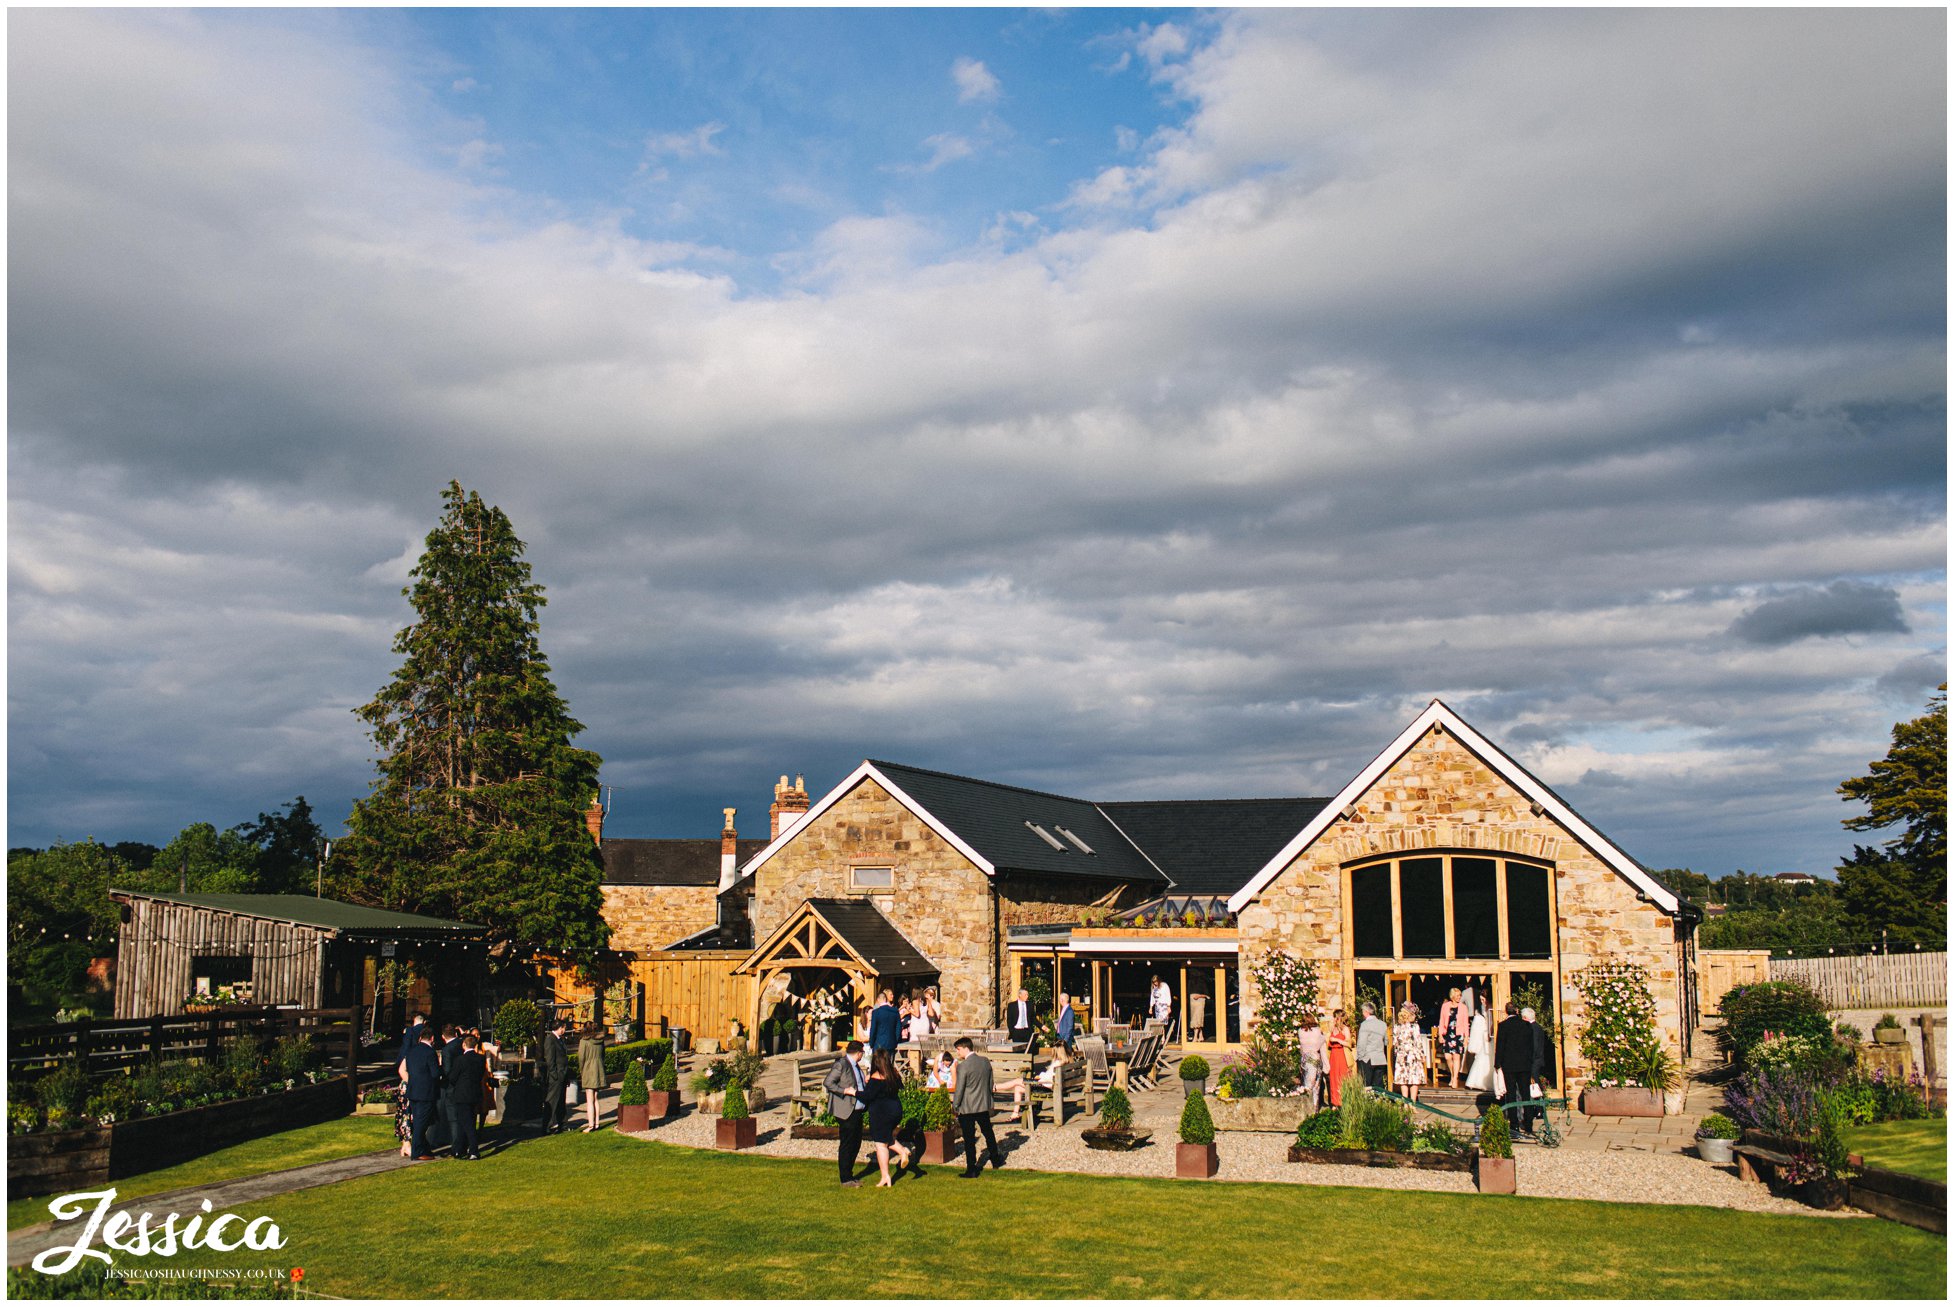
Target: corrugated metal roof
(304, 910)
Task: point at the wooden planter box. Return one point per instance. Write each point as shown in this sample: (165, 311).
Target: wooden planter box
(662, 1104)
(67, 1160)
(1196, 1161)
(374, 1109)
(939, 1146)
(1115, 1141)
(1907, 1199)
(807, 1130)
(1458, 1162)
(1493, 1175)
(1623, 1101)
(633, 1118)
(733, 1135)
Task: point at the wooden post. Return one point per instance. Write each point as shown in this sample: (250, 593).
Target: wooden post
(81, 1044)
(353, 1043)
(156, 1040)
(1929, 1063)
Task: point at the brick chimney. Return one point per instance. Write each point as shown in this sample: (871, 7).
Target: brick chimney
(593, 818)
(789, 801)
(729, 852)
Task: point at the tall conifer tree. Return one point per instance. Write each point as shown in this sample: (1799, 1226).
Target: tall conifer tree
(478, 810)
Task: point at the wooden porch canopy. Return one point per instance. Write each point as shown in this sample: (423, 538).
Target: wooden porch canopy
(844, 934)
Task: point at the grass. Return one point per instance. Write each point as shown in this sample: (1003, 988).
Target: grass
(328, 1141)
(576, 1216)
(1914, 1147)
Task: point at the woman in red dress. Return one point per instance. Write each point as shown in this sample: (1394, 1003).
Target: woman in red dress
(1338, 1056)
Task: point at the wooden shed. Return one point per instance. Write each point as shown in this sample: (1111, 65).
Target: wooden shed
(279, 949)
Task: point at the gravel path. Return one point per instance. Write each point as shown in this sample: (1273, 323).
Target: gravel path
(1623, 1177)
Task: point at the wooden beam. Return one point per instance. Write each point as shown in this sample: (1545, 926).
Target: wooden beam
(1451, 940)
(1397, 911)
(1505, 945)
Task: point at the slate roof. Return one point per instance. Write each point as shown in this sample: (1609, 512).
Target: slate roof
(873, 936)
(1212, 846)
(668, 862)
(991, 818)
(304, 910)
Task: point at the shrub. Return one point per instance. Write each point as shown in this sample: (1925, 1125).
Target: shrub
(1320, 1129)
(1436, 1138)
(1356, 1105)
(619, 1056)
(1895, 1099)
(516, 1023)
(1823, 1055)
(1495, 1137)
(1887, 1021)
(293, 1056)
(710, 1079)
(666, 1081)
(1782, 1007)
(1194, 1067)
(1718, 1126)
(1288, 988)
(1273, 1059)
(734, 1108)
(633, 1092)
(1784, 1102)
(1197, 1126)
(1849, 1033)
(915, 1102)
(1619, 1041)
(745, 1068)
(1115, 1110)
(1387, 1127)
(64, 1089)
(938, 1113)
(243, 1067)
(1827, 1155)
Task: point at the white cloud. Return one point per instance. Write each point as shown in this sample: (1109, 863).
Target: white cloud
(683, 145)
(945, 147)
(975, 83)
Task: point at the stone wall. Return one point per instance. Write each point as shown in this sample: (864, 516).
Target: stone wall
(645, 918)
(941, 900)
(1040, 900)
(1440, 796)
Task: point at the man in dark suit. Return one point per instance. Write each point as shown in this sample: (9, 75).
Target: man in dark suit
(1513, 1054)
(845, 1084)
(1017, 1019)
(423, 1090)
(556, 1073)
(450, 1050)
(885, 1024)
(1067, 1021)
(412, 1035)
(1543, 1066)
(971, 1100)
(461, 1076)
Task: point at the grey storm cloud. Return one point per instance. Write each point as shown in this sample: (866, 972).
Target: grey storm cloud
(1841, 608)
(1506, 357)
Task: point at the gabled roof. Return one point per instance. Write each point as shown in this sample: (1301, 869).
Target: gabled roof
(854, 927)
(304, 910)
(1211, 846)
(991, 824)
(1438, 714)
(668, 862)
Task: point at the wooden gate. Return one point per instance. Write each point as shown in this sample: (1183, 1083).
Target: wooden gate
(1719, 970)
(694, 989)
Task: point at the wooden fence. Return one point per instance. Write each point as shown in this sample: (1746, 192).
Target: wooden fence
(690, 988)
(107, 1047)
(1719, 970)
(1876, 980)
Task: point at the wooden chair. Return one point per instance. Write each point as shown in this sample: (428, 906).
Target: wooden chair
(1092, 1051)
(810, 1094)
(1070, 1083)
(1140, 1066)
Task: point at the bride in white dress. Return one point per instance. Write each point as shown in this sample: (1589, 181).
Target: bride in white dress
(1479, 1045)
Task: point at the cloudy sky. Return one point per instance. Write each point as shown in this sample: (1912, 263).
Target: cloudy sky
(1132, 404)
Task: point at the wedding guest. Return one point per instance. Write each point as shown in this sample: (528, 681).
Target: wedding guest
(1515, 1061)
(591, 1076)
(1337, 1055)
(943, 1072)
(1410, 1056)
(1454, 1027)
(1067, 1022)
(1309, 1043)
(422, 1088)
(884, 1026)
(883, 1095)
(556, 1072)
(463, 1075)
(972, 1102)
(1371, 1034)
(846, 1087)
(1018, 1018)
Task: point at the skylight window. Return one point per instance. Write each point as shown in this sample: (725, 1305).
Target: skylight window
(1077, 843)
(1047, 836)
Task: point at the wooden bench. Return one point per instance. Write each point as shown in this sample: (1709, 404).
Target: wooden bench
(1755, 1162)
(1072, 1082)
(810, 1095)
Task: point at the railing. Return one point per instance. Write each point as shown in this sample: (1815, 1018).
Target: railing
(1875, 980)
(108, 1047)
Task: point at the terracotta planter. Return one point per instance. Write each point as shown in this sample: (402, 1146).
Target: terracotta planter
(1196, 1161)
(1493, 1175)
(733, 1135)
(633, 1118)
(939, 1146)
(664, 1103)
(1627, 1100)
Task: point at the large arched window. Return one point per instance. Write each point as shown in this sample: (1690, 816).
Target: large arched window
(1444, 906)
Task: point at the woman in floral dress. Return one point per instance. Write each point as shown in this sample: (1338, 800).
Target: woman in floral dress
(403, 1122)
(1409, 1055)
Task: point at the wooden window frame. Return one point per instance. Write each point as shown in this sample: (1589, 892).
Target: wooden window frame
(855, 885)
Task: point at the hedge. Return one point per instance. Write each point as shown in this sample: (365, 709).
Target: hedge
(619, 1056)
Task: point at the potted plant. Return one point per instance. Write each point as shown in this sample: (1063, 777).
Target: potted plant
(1492, 1168)
(1194, 1156)
(1716, 1137)
(1115, 1132)
(1888, 1030)
(662, 1099)
(516, 1024)
(633, 1114)
(735, 1128)
(1194, 1075)
(939, 1122)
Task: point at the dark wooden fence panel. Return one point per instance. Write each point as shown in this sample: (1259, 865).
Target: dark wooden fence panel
(109, 1047)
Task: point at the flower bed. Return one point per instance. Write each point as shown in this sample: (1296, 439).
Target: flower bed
(1370, 1157)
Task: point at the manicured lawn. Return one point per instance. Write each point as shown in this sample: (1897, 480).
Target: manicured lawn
(601, 1216)
(1915, 1147)
(346, 1137)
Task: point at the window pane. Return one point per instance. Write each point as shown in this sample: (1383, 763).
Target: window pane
(1475, 907)
(1371, 910)
(875, 877)
(1529, 928)
(1422, 882)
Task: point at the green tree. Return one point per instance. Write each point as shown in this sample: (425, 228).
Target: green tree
(59, 915)
(287, 844)
(477, 811)
(1901, 888)
(218, 862)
